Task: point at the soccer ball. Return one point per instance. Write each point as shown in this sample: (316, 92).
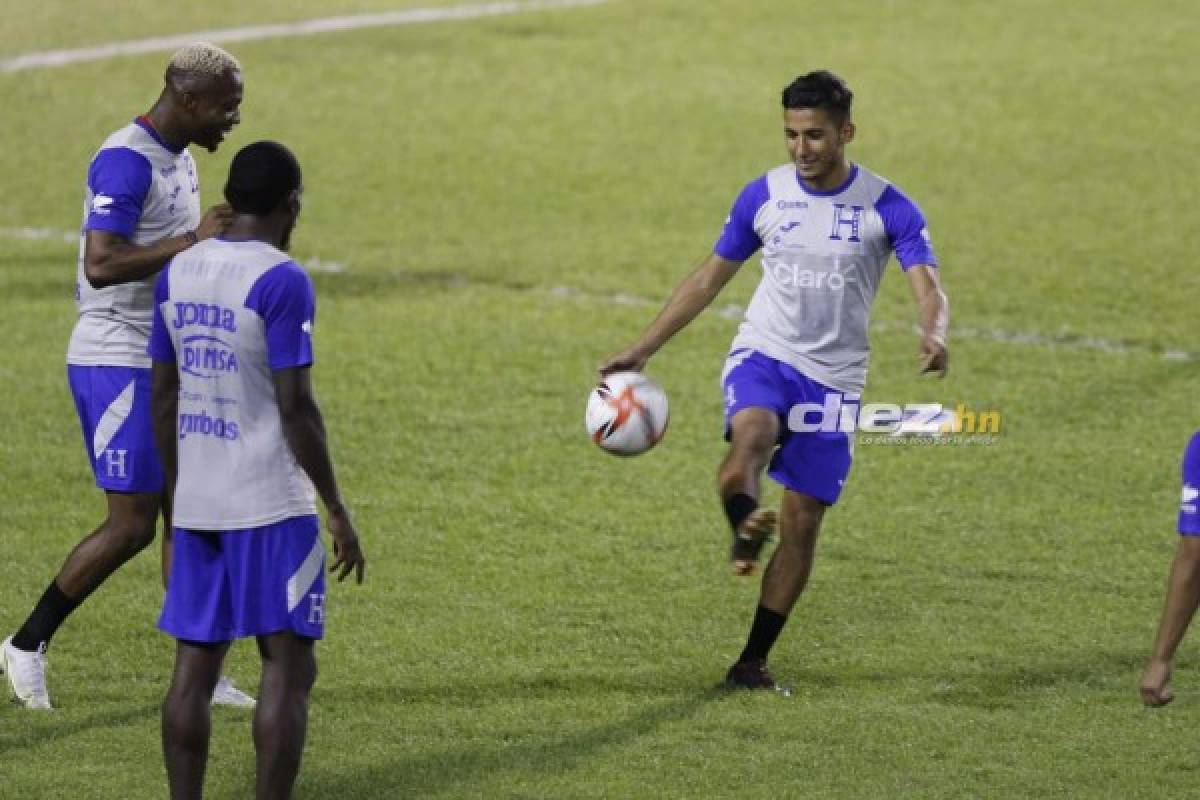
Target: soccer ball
(627, 413)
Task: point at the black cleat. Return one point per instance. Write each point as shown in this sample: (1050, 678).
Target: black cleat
(749, 675)
(753, 533)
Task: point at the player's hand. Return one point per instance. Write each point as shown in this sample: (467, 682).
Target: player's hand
(934, 355)
(347, 553)
(1153, 687)
(631, 360)
(215, 221)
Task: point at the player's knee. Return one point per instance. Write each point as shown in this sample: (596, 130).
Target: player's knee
(132, 534)
(754, 430)
(799, 528)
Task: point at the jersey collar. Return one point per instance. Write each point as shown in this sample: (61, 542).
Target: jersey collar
(836, 190)
(145, 124)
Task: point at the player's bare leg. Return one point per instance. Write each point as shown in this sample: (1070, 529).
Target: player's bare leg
(754, 433)
(226, 693)
(187, 718)
(128, 528)
(289, 669)
(1183, 597)
(790, 565)
(783, 582)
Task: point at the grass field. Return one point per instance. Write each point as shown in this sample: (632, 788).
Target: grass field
(541, 620)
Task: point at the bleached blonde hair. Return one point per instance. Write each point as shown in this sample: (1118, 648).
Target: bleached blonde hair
(202, 60)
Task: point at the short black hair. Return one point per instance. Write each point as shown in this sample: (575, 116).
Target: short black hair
(820, 89)
(261, 177)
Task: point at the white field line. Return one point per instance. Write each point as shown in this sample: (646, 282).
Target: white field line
(37, 234)
(735, 311)
(1063, 341)
(311, 27)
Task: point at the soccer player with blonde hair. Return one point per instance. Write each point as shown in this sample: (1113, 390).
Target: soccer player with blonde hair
(141, 208)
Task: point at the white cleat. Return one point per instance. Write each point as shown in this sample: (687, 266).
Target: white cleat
(226, 694)
(26, 675)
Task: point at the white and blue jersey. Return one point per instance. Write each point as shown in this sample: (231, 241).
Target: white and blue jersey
(823, 256)
(142, 189)
(229, 313)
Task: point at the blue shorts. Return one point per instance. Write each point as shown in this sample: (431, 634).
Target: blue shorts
(113, 404)
(1189, 505)
(230, 584)
(817, 463)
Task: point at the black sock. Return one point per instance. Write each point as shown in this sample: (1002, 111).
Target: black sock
(738, 507)
(48, 614)
(763, 633)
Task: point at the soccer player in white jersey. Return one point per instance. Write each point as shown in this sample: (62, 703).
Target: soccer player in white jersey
(142, 206)
(826, 228)
(243, 446)
(1183, 586)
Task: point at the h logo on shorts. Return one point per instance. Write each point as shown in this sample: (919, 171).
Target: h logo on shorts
(114, 463)
(316, 609)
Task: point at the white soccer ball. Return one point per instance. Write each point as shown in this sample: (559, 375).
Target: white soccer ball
(627, 413)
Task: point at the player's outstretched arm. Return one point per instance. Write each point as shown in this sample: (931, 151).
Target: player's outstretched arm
(304, 429)
(1183, 597)
(933, 315)
(110, 259)
(691, 297)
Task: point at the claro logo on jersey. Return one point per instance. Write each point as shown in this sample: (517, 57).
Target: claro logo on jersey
(203, 424)
(793, 276)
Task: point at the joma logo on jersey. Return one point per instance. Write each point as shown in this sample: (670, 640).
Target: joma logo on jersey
(206, 314)
(792, 276)
(207, 356)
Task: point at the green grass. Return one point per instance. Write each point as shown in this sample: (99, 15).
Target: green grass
(541, 620)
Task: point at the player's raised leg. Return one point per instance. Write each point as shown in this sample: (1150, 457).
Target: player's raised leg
(753, 433)
(187, 716)
(289, 669)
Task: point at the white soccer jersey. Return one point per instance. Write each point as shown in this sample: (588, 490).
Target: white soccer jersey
(823, 255)
(228, 313)
(142, 189)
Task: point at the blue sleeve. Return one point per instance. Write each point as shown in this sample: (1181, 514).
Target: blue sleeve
(905, 227)
(739, 240)
(283, 296)
(161, 347)
(120, 180)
